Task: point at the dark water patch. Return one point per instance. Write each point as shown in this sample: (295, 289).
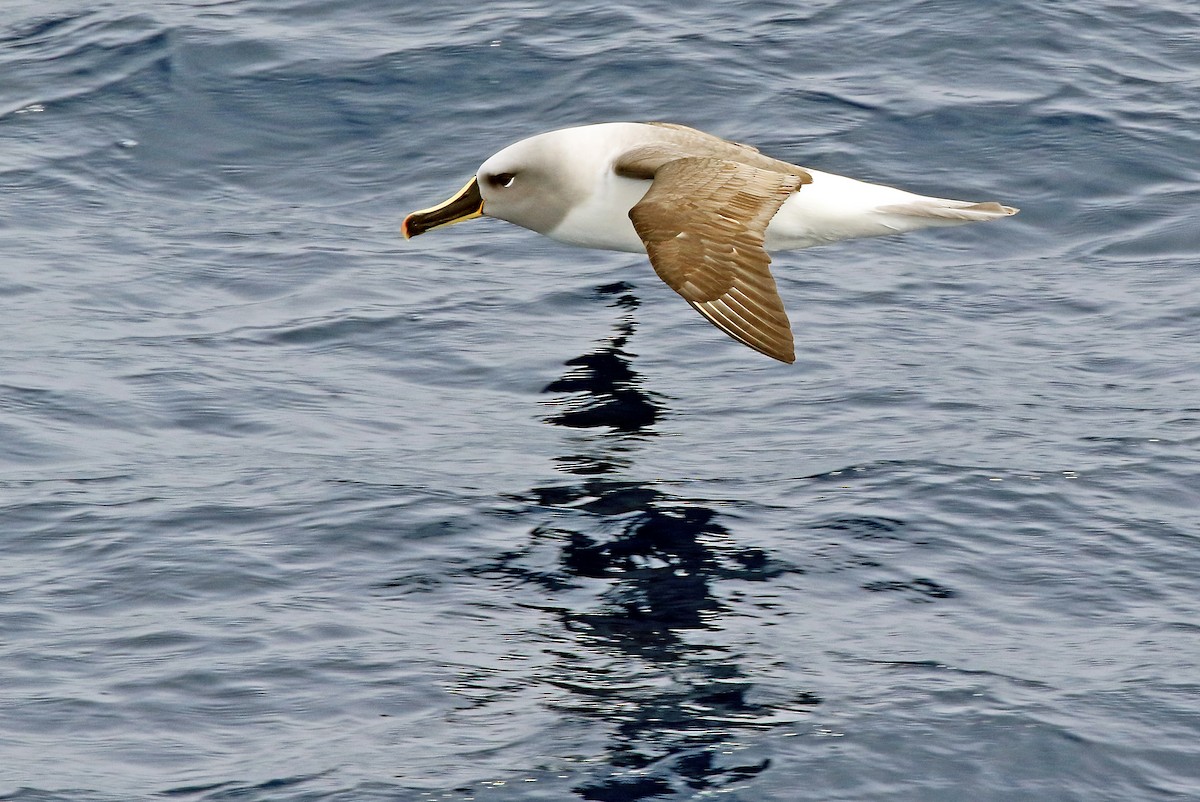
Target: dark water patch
(919, 589)
(332, 331)
(34, 32)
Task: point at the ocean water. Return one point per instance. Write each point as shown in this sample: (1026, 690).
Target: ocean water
(293, 509)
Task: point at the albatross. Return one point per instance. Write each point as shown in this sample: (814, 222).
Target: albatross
(705, 210)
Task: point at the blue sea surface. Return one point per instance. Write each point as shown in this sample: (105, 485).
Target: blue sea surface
(293, 509)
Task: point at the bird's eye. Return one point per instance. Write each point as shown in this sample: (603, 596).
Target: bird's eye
(501, 180)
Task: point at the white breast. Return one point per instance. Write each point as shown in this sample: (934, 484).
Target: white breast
(602, 219)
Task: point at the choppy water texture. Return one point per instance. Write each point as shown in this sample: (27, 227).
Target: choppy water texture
(296, 510)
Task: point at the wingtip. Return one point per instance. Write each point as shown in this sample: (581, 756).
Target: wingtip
(787, 357)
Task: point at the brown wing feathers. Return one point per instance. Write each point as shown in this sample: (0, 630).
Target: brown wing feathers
(704, 221)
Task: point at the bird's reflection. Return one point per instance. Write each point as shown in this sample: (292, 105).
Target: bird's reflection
(609, 393)
(638, 660)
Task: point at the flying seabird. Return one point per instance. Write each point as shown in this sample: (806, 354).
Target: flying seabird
(704, 209)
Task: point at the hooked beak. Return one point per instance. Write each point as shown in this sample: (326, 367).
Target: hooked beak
(466, 204)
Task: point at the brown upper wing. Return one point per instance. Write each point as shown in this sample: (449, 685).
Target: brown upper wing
(703, 221)
(673, 142)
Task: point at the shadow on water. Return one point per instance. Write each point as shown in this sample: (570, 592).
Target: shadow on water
(640, 662)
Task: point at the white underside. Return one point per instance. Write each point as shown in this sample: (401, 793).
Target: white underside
(602, 221)
(829, 209)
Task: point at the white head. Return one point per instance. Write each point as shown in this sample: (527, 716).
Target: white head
(533, 183)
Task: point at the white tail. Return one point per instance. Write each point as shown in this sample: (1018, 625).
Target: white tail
(950, 210)
(834, 207)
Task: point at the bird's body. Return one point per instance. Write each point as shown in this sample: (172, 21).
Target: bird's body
(704, 209)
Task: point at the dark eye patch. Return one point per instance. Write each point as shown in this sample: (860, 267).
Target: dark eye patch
(501, 180)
